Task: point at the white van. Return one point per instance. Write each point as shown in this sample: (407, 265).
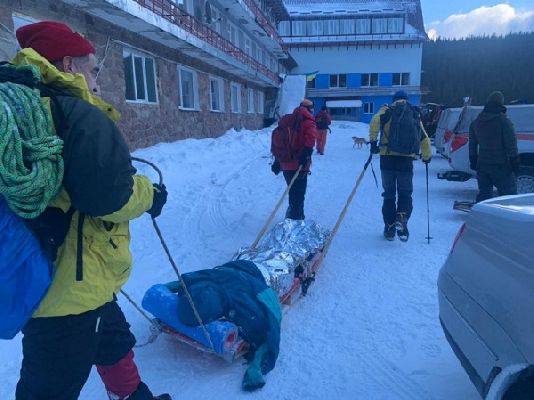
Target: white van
(444, 131)
(522, 116)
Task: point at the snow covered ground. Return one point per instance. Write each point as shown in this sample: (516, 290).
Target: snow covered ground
(368, 328)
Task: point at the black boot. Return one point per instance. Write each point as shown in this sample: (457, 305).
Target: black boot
(389, 231)
(402, 227)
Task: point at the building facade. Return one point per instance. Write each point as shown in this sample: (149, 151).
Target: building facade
(174, 68)
(356, 53)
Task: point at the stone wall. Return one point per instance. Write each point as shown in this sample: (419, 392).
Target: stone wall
(142, 124)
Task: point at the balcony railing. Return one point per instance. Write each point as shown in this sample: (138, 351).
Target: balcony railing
(170, 11)
(263, 21)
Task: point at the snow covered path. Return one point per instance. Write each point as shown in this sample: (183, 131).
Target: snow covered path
(368, 328)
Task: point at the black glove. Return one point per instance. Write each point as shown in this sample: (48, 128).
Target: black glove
(374, 147)
(275, 167)
(427, 160)
(305, 156)
(514, 164)
(473, 162)
(159, 200)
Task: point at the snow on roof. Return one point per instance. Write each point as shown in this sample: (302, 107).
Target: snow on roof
(308, 8)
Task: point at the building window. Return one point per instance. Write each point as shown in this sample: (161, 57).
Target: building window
(310, 83)
(140, 77)
(401, 79)
(380, 25)
(261, 102)
(188, 89)
(347, 27)
(247, 46)
(331, 27)
(369, 80)
(284, 28)
(236, 97)
(368, 108)
(250, 95)
(363, 26)
(298, 28)
(338, 81)
(396, 25)
(216, 94)
(315, 28)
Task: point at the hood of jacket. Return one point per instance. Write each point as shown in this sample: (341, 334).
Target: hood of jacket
(303, 113)
(75, 84)
(491, 111)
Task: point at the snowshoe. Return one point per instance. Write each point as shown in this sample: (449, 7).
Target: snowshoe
(464, 206)
(402, 227)
(389, 231)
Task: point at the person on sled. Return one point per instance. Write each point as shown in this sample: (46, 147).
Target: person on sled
(78, 323)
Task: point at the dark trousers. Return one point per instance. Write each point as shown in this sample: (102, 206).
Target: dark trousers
(499, 176)
(296, 194)
(397, 176)
(59, 352)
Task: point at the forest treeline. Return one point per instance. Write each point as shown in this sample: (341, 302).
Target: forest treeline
(476, 66)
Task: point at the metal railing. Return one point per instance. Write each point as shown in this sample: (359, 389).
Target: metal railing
(171, 12)
(262, 20)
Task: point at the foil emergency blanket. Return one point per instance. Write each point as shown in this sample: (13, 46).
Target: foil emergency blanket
(288, 245)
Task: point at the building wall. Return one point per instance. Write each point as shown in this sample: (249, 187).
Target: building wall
(382, 58)
(142, 124)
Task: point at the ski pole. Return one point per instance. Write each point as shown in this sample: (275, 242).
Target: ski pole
(427, 207)
(273, 213)
(343, 212)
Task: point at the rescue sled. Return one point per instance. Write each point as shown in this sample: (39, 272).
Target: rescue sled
(288, 257)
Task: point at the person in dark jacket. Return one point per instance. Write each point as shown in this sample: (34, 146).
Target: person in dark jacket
(493, 149)
(78, 323)
(323, 121)
(302, 149)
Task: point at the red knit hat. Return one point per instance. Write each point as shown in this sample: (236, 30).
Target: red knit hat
(53, 40)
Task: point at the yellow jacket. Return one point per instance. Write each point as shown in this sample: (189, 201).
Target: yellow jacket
(374, 130)
(106, 257)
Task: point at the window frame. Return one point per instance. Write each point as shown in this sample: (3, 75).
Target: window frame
(196, 97)
(370, 75)
(238, 98)
(127, 52)
(261, 102)
(251, 101)
(403, 79)
(337, 86)
(369, 108)
(220, 81)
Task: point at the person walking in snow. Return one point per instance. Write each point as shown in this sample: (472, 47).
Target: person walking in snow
(493, 149)
(78, 323)
(402, 137)
(323, 121)
(303, 124)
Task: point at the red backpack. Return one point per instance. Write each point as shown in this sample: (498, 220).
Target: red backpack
(283, 137)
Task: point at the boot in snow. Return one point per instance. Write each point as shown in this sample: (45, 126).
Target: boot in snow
(389, 231)
(402, 227)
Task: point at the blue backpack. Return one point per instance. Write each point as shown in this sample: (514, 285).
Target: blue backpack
(25, 272)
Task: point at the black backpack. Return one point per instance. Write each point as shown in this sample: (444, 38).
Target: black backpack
(321, 124)
(404, 129)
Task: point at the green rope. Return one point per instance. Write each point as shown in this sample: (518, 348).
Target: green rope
(31, 162)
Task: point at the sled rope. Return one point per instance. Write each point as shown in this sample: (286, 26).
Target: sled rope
(31, 162)
(173, 264)
(276, 207)
(155, 328)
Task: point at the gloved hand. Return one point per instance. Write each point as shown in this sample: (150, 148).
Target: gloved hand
(473, 162)
(427, 160)
(305, 156)
(514, 164)
(374, 147)
(275, 167)
(159, 200)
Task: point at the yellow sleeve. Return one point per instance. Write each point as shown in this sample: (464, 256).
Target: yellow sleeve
(426, 147)
(374, 125)
(138, 203)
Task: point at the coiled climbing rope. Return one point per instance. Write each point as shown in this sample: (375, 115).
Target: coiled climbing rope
(31, 163)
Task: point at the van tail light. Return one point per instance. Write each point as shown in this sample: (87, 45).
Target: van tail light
(458, 236)
(458, 142)
(447, 136)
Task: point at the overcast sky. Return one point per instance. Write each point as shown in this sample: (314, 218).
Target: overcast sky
(461, 18)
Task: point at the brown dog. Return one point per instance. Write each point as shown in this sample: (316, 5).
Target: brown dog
(359, 141)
